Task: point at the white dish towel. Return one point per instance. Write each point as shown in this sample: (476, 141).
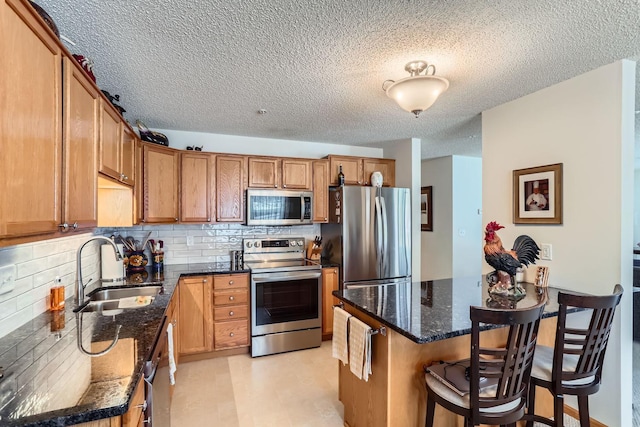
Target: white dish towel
(339, 341)
(359, 348)
(172, 360)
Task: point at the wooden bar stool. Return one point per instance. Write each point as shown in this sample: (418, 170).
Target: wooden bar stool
(574, 365)
(498, 378)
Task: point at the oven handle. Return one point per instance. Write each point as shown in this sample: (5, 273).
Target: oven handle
(276, 277)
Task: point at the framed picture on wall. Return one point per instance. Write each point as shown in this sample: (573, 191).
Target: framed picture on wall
(426, 208)
(537, 195)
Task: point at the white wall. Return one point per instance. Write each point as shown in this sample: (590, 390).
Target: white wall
(636, 210)
(437, 245)
(467, 219)
(218, 143)
(407, 156)
(586, 123)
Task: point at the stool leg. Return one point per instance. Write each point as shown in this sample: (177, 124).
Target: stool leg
(583, 408)
(431, 408)
(531, 404)
(558, 410)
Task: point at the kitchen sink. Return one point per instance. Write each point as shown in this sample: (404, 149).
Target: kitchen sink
(112, 301)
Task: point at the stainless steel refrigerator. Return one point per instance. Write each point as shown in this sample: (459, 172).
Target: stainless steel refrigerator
(369, 235)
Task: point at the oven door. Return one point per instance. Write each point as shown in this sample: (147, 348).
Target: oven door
(285, 301)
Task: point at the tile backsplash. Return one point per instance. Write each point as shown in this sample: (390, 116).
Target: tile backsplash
(39, 264)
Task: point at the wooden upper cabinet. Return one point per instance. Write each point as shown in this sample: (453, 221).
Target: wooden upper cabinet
(80, 186)
(320, 191)
(230, 187)
(110, 140)
(296, 174)
(30, 131)
(264, 172)
(138, 189)
(161, 167)
(351, 168)
(128, 158)
(196, 187)
(387, 167)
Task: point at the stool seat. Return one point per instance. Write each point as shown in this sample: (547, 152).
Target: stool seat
(543, 366)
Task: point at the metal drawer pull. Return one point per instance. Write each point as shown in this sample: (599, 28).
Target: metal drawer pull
(142, 405)
(231, 313)
(231, 282)
(231, 298)
(204, 280)
(231, 334)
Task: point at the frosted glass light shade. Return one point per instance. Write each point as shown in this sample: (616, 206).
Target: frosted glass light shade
(416, 94)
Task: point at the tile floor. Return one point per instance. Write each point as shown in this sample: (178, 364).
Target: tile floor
(290, 389)
(297, 389)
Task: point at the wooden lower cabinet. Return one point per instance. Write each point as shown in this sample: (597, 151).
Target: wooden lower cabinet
(231, 311)
(329, 284)
(134, 416)
(195, 334)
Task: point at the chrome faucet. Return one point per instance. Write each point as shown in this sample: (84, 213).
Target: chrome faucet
(80, 286)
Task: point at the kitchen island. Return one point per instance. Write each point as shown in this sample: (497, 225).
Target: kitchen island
(48, 381)
(425, 322)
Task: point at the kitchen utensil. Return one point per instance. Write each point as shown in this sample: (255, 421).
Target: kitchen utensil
(146, 239)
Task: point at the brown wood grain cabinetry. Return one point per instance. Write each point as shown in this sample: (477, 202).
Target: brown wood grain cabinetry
(196, 187)
(173, 316)
(128, 159)
(133, 416)
(161, 167)
(138, 190)
(80, 147)
(110, 140)
(387, 167)
(231, 310)
(329, 284)
(358, 170)
(230, 186)
(320, 190)
(290, 174)
(31, 130)
(195, 333)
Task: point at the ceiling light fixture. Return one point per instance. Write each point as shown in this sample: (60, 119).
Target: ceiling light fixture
(417, 92)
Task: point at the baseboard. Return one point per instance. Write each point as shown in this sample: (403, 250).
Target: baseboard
(213, 354)
(575, 414)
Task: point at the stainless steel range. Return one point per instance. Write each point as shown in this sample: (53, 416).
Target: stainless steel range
(286, 298)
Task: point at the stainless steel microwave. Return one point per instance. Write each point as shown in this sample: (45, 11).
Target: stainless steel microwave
(279, 207)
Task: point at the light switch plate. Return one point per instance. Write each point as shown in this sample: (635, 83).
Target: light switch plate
(545, 251)
(7, 278)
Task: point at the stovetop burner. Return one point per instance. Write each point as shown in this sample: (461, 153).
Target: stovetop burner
(273, 255)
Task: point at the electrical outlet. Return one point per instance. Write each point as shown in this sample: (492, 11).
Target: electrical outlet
(545, 251)
(7, 278)
(189, 240)
(462, 232)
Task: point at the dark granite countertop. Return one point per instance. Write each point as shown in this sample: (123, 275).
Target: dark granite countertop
(48, 381)
(436, 310)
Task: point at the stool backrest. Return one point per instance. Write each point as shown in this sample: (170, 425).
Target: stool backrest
(579, 352)
(509, 367)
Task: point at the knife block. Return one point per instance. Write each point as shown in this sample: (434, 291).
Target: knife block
(313, 251)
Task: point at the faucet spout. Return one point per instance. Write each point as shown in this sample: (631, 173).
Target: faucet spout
(80, 286)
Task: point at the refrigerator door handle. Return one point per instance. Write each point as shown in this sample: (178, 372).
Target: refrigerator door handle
(407, 234)
(385, 242)
(379, 243)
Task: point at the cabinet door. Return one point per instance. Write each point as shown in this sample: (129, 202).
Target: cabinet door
(196, 187)
(387, 167)
(128, 158)
(110, 140)
(30, 129)
(320, 191)
(160, 184)
(296, 174)
(196, 315)
(230, 186)
(264, 172)
(80, 183)
(138, 189)
(351, 168)
(329, 284)
(174, 313)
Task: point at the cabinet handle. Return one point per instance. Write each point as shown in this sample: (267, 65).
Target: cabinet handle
(208, 219)
(147, 421)
(65, 227)
(142, 405)
(75, 225)
(284, 186)
(204, 280)
(230, 282)
(175, 323)
(325, 218)
(176, 218)
(231, 298)
(359, 182)
(232, 334)
(275, 185)
(231, 313)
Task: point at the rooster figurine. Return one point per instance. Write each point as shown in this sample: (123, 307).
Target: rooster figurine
(525, 251)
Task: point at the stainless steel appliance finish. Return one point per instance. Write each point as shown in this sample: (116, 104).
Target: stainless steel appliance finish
(156, 377)
(279, 207)
(286, 295)
(369, 234)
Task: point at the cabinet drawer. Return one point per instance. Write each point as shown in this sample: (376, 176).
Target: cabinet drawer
(231, 334)
(230, 281)
(230, 297)
(230, 312)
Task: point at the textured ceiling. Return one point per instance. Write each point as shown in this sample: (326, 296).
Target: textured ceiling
(317, 67)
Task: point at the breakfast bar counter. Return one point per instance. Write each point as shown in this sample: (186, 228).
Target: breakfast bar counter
(425, 322)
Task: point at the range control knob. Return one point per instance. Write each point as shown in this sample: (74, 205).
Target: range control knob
(257, 244)
(293, 243)
(249, 244)
(300, 243)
